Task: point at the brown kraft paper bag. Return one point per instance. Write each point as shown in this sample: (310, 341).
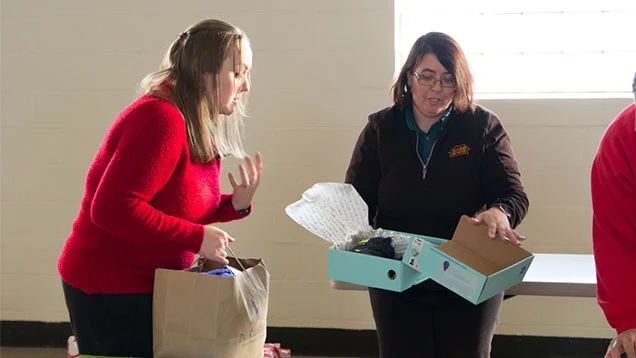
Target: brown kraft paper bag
(197, 315)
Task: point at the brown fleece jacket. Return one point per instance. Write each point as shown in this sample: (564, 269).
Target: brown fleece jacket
(472, 167)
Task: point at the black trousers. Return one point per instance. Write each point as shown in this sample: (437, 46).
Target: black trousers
(429, 321)
(110, 324)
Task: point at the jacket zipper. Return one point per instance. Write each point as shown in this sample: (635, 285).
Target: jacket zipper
(417, 145)
(417, 151)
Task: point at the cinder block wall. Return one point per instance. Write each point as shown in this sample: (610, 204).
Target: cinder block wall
(69, 66)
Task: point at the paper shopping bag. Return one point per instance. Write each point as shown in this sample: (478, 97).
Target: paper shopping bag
(207, 316)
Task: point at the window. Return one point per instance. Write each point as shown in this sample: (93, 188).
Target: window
(532, 48)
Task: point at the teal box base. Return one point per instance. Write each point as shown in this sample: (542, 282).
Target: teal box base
(378, 272)
(372, 271)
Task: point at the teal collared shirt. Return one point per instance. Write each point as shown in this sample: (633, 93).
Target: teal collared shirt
(426, 140)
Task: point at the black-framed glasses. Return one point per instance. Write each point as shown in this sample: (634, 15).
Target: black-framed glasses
(447, 80)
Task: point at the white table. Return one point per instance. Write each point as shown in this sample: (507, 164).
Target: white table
(558, 275)
(568, 275)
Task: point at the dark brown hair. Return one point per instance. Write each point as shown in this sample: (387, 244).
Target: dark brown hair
(450, 55)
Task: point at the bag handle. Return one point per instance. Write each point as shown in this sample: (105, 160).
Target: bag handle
(237, 258)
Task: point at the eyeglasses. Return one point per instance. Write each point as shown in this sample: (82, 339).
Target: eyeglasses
(447, 80)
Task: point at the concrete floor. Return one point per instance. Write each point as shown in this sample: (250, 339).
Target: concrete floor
(15, 352)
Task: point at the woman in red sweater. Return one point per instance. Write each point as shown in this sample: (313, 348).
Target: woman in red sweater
(614, 228)
(153, 188)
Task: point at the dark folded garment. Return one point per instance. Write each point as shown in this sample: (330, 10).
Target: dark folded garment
(376, 246)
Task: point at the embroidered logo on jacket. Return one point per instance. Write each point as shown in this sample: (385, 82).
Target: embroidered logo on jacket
(459, 150)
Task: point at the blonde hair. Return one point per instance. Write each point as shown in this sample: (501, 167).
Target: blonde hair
(201, 49)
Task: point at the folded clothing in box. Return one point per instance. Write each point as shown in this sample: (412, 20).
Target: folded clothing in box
(376, 246)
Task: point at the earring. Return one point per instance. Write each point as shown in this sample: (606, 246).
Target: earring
(406, 90)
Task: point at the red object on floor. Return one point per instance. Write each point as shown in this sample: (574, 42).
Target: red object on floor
(273, 350)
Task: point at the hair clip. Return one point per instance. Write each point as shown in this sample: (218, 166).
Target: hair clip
(183, 34)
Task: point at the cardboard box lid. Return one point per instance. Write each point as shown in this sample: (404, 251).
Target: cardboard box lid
(472, 246)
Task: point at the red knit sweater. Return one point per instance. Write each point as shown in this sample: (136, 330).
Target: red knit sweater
(144, 205)
(614, 220)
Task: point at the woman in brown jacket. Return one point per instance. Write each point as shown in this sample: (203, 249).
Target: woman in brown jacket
(421, 164)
